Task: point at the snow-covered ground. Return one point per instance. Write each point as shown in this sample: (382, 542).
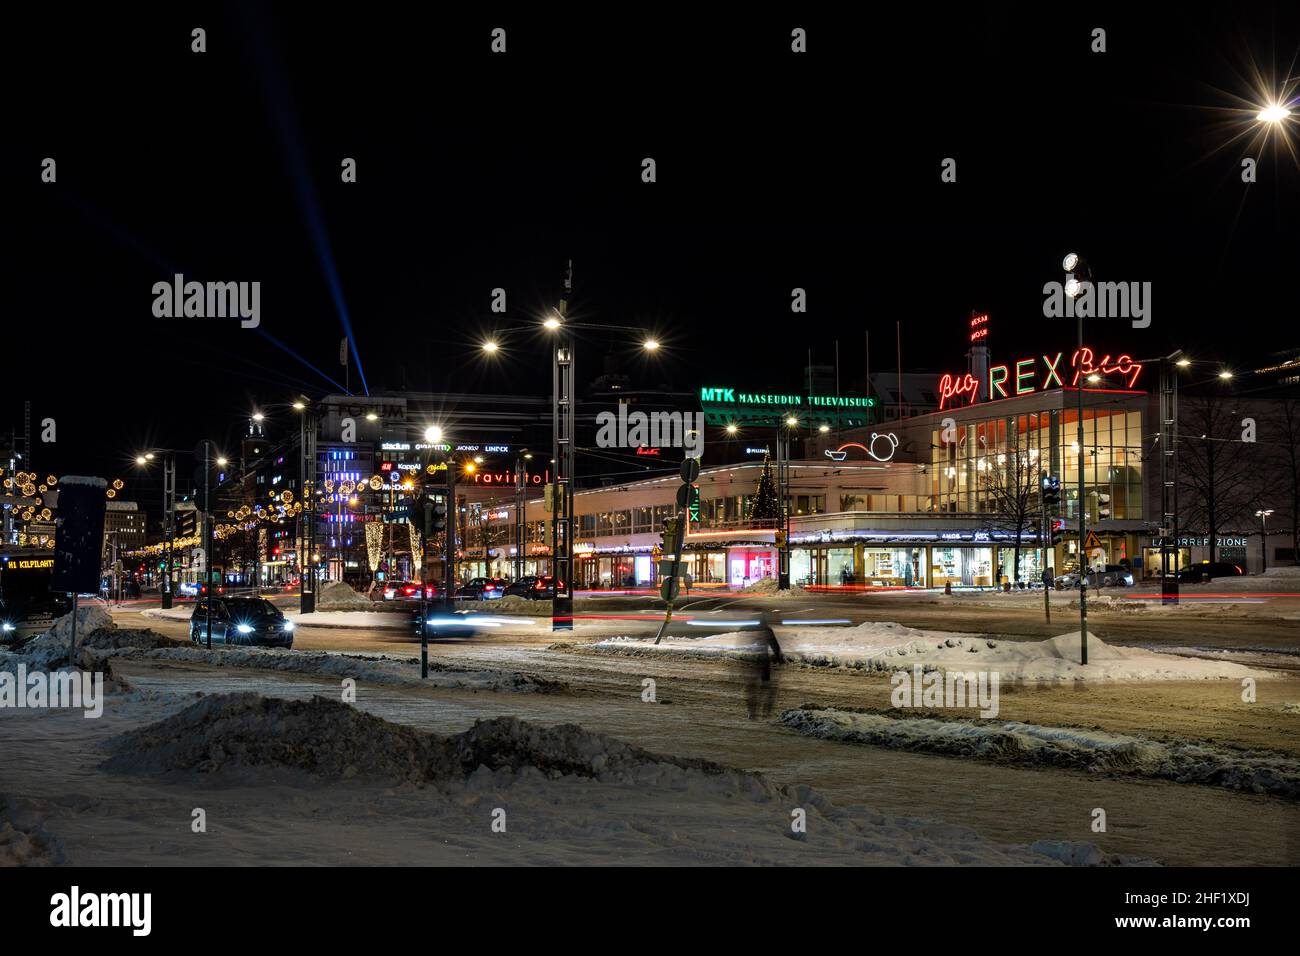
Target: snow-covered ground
(1094, 751)
(888, 647)
(322, 782)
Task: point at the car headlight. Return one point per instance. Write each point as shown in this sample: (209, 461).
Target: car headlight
(244, 628)
(288, 625)
(6, 627)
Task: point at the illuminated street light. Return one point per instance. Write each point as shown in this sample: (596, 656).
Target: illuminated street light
(433, 434)
(372, 417)
(650, 345)
(258, 416)
(490, 346)
(824, 429)
(1073, 287)
(552, 323)
(140, 459)
(298, 406)
(221, 462)
(792, 421)
(731, 428)
(1225, 375)
(1183, 363)
(1274, 113)
(1070, 262)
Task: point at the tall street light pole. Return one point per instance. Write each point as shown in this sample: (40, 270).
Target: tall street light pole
(563, 400)
(1074, 286)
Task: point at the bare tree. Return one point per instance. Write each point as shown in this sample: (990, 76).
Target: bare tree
(1222, 477)
(1010, 481)
(1284, 425)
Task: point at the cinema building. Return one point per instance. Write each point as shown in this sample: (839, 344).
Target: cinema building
(919, 502)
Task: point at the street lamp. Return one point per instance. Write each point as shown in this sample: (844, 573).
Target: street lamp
(433, 434)
(1262, 515)
(731, 428)
(1075, 266)
(1273, 113)
(169, 520)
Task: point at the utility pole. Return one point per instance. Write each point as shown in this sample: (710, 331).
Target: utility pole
(521, 478)
(1168, 476)
(563, 398)
(207, 534)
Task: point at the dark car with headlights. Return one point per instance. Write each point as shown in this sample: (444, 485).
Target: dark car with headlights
(251, 621)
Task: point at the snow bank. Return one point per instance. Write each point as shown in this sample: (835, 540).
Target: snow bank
(23, 839)
(573, 796)
(339, 595)
(329, 739)
(96, 633)
(1095, 751)
(886, 646)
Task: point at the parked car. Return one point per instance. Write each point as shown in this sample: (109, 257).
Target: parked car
(1205, 571)
(482, 589)
(241, 620)
(521, 588)
(543, 588)
(1111, 576)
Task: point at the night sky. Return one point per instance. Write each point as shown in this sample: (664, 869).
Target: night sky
(475, 170)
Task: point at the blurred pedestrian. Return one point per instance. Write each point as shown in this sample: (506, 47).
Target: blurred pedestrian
(760, 686)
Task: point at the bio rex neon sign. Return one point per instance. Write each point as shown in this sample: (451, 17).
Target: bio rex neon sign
(1028, 375)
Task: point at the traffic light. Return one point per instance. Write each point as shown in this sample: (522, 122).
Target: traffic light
(434, 515)
(1103, 506)
(669, 538)
(1058, 530)
(1050, 487)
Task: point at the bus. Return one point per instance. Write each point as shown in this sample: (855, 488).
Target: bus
(27, 605)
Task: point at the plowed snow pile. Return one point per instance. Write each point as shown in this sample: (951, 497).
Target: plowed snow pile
(339, 595)
(573, 797)
(877, 646)
(96, 632)
(329, 739)
(1095, 751)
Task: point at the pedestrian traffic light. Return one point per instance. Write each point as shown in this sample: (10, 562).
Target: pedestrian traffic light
(1050, 487)
(1058, 531)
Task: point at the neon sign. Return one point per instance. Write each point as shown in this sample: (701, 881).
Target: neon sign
(1039, 375)
(648, 451)
(950, 387)
(979, 327)
(888, 444)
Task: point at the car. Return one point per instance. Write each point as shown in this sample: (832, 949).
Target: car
(241, 620)
(1205, 571)
(482, 589)
(1111, 576)
(543, 588)
(401, 590)
(521, 588)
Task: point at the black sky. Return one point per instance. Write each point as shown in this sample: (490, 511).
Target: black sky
(475, 171)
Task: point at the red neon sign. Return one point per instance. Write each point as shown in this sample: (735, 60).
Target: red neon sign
(1082, 360)
(950, 387)
(651, 451)
(979, 327)
(1027, 375)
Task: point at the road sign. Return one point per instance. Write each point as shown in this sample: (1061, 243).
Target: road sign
(690, 470)
(1093, 543)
